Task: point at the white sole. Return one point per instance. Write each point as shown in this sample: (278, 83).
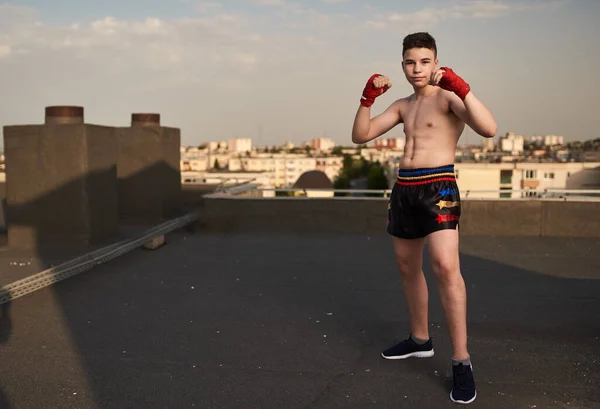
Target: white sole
(420, 354)
(460, 402)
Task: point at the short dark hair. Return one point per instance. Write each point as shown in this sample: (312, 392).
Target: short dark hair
(419, 40)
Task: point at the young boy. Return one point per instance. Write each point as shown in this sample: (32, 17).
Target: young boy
(425, 201)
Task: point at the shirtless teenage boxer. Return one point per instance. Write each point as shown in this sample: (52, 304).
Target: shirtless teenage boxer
(425, 201)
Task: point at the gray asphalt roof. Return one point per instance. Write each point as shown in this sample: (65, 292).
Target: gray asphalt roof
(239, 321)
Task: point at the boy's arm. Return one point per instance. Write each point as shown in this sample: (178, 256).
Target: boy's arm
(475, 114)
(465, 104)
(366, 129)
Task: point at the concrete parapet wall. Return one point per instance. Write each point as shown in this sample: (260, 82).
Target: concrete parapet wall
(533, 218)
(571, 219)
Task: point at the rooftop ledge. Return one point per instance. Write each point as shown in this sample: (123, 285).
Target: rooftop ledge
(551, 213)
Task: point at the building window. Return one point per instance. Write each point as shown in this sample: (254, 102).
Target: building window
(531, 174)
(530, 194)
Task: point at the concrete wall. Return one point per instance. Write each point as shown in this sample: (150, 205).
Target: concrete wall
(148, 172)
(67, 182)
(61, 183)
(368, 216)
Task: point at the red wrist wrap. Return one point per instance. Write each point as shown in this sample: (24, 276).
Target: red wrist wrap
(452, 82)
(370, 92)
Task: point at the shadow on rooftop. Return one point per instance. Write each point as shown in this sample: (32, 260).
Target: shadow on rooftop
(82, 215)
(5, 332)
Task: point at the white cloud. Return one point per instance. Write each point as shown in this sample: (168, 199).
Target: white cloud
(473, 9)
(219, 60)
(216, 74)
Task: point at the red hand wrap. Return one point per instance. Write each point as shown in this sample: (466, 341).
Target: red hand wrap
(370, 92)
(452, 82)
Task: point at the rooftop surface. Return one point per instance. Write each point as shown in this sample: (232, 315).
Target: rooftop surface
(299, 322)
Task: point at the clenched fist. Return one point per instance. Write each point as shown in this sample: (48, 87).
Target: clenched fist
(447, 79)
(376, 85)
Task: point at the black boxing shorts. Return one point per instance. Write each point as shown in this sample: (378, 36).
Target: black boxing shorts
(423, 201)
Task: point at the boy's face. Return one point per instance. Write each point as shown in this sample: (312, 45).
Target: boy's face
(418, 65)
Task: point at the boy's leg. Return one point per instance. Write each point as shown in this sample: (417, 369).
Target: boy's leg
(408, 249)
(409, 259)
(443, 249)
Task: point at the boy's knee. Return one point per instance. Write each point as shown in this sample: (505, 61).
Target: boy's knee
(409, 266)
(445, 269)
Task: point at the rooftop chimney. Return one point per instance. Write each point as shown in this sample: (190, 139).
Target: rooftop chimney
(145, 119)
(64, 115)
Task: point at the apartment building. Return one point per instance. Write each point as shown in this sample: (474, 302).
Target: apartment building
(546, 140)
(330, 165)
(512, 143)
(322, 144)
(194, 164)
(381, 155)
(226, 178)
(239, 145)
(389, 143)
(487, 180)
(286, 168)
(518, 176)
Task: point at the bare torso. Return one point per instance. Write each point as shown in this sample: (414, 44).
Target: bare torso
(432, 131)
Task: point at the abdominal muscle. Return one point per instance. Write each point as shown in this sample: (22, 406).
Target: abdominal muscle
(428, 152)
(431, 134)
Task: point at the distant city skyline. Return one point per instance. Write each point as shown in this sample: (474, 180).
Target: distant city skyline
(282, 70)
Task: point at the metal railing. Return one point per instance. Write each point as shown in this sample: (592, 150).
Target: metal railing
(500, 194)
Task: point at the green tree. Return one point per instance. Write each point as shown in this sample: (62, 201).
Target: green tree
(216, 164)
(341, 182)
(366, 167)
(337, 151)
(347, 163)
(377, 179)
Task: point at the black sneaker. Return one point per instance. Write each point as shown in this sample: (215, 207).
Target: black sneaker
(463, 389)
(409, 348)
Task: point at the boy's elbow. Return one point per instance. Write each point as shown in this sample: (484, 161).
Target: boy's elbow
(356, 139)
(489, 131)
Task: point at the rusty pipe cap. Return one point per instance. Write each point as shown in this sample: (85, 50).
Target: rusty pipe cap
(145, 119)
(64, 114)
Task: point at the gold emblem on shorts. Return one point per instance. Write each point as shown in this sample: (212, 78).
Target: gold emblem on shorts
(444, 203)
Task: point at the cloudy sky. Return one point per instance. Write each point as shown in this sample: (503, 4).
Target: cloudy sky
(278, 70)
